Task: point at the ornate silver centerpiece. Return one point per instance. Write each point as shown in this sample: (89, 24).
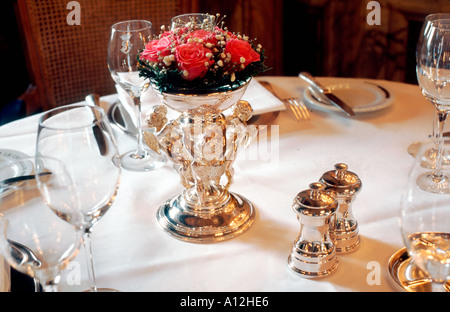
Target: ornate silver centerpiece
(202, 143)
(201, 70)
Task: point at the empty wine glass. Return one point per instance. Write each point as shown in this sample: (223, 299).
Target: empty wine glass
(434, 79)
(425, 223)
(81, 138)
(413, 148)
(128, 38)
(33, 239)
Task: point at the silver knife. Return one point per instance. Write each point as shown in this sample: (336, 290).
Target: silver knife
(316, 86)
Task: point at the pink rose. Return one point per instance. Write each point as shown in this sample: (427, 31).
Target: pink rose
(156, 49)
(241, 52)
(192, 60)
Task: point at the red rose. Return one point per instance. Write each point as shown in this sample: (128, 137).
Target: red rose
(192, 60)
(156, 49)
(241, 52)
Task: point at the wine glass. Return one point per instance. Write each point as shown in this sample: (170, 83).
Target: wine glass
(81, 138)
(33, 239)
(425, 222)
(433, 71)
(128, 38)
(413, 148)
(185, 20)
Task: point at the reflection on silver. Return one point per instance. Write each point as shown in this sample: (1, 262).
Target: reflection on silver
(345, 184)
(202, 143)
(408, 276)
(313, 253)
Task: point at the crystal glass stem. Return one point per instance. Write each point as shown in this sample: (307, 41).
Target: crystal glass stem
(37, 285)
(140, 153)
(442, 116)
(87, 242)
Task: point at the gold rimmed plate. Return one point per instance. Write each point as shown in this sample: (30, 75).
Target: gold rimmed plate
(408, 276)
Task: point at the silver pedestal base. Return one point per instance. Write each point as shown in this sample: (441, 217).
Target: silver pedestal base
(206, 225)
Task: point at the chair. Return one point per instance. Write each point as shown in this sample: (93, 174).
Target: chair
(67, 62)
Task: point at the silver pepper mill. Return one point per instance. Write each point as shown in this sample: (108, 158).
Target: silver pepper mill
(344, 229)
(313, 253)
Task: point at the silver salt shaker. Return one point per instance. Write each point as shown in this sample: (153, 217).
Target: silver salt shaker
(313, 253)
(346, 185)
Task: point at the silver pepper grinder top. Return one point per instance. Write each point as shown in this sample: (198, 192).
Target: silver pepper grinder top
(346, 185)
(313, 253)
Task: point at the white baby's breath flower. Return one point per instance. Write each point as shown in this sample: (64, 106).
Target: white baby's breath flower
(167, 60)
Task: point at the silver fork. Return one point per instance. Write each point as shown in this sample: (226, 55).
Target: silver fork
(298, 108)
(296, 105)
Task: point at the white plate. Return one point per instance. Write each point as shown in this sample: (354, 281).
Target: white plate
(362, 97)
(16, 168)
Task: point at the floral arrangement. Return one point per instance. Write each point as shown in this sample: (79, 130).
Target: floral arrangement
(199, 58)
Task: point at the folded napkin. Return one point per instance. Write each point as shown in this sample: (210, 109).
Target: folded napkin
(259, 98)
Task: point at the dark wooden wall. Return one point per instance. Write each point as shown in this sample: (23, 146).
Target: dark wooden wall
(324, 37)
(332, 37)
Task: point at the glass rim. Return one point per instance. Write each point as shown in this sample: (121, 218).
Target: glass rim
(183, 16)
(432, 16)
(54, 111)
(438, 23)
(115, 28)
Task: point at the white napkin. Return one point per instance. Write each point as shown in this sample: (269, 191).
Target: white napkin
(259, 98)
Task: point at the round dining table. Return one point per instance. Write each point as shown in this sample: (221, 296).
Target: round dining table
(132, 253)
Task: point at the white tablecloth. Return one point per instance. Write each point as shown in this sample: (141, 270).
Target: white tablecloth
(132, 253)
